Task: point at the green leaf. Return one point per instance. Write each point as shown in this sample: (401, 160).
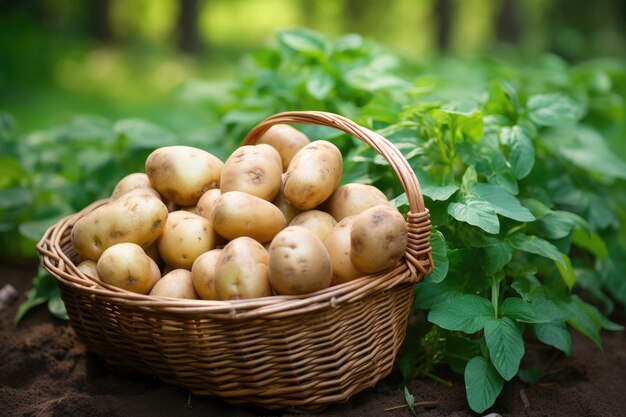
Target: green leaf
(555, 334)
(35, 229)
(553, 109)
(144, 135)
(465, 312)
(428, 294)
(538, 246)
(591, 242)
(497, 256)
(440, 257)
(506, 346)
(15, 198)
(56, 307)
(503, 202)
(439, 193)
(578, 317)
(536, 207)
(30, 302)
(477, 213)
(319, 84)
(410, 400)
(567, 271)
(470, 178)
(521, 152)
(530, 375)
(559, 224)
(303, 41)
(519, 310)
(483, 384)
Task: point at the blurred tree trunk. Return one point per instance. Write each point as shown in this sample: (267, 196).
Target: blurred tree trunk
(443, 12)
(187, 26)
(99, 21)
(509, 25)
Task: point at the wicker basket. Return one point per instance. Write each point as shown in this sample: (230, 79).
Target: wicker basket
(279, 352)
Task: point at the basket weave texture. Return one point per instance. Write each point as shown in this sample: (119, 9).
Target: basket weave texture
(279, 352)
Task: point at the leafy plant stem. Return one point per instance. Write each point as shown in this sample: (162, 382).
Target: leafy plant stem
(435, 378)
(495, 294)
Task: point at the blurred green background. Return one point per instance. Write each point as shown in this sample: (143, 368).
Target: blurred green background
(128, 58)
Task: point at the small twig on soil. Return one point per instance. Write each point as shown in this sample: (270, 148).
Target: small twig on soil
(522, 394)
(425, 404)
(189, 401)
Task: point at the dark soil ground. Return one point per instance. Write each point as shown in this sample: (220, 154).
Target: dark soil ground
(45, 371)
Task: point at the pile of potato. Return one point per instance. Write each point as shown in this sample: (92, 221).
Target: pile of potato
(270, 220)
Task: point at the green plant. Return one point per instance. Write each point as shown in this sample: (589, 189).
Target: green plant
(518, 165)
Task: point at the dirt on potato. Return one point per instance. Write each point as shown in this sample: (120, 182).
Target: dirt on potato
(45, 371)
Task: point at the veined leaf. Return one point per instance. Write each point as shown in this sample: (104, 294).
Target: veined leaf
(567, 271)
(466, 312)
(521, 152)
(506, 346)
(553, 109)
(477, 213)
(518, 309)
(440, 257)
(538, 246)
(483, 384)
(556, 335)
(503, 202)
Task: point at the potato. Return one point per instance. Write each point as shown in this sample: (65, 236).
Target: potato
(176, 284)
(88, 268)
(338, 245)
(272, 151)
(239, 214)
(203, 274)
(286, 140)
(378, 239)
(313, 175)
(145, 191)
(299, 262)
(206, 203)
(181, 174)
(126, 266)
(252, 170)
(351, 199)
(132, 218)
(316, 221)
(242, 270)
(129, 183)
(185, 237)
(153, 252)
(284, 205)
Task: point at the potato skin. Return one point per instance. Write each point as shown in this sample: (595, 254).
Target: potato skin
(181, 174)
(185, 237)
(131, 182)
(89, 268)
(316, 221)
(352, 199)
(242, 270)
(299, 262)
(206, 203)
(313, 175)
(133, 218)
(283, 204)
(204, 273)
(239, 214)
(252, 170)
(273, 152)
(378, 239)
(126, 266)
(338, 245)
(176, 284)
(286, 140)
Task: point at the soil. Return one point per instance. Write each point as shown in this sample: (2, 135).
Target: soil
(45, 371)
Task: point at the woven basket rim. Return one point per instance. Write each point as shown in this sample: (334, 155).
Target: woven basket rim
(416, 263)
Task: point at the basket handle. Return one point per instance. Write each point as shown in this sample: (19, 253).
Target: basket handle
(418, 250)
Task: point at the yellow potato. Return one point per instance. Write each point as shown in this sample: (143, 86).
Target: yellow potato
(252, 170)
(129, 183)
(299, 262)
(378, 239)
(272, 151)
(239, 214)
(133, 218)
(316, 221)
(181, 174)
(206, 203)
(351, 199)
(185, 237)
(338, 245)
(88, 268)
(284, 205)
(286, 140)
(176, 284)
(242, 270)
(153, 252)
(126, 266)
(313, 175)
(204, 273)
